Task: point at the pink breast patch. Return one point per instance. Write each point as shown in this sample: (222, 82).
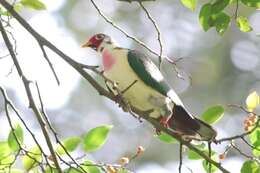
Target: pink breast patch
(108, 60)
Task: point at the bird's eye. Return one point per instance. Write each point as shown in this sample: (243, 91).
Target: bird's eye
(99, 36)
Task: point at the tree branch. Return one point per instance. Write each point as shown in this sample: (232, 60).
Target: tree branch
(100, 89)
(157, 30)
(32, 103)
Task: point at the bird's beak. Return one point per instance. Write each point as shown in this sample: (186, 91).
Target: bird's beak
(87, 44)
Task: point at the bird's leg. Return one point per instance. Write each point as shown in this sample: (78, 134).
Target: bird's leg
(164, 121)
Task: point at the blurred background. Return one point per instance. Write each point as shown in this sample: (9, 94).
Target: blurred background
(223, 69)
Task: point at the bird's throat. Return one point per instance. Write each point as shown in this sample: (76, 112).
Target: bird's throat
(108, 60)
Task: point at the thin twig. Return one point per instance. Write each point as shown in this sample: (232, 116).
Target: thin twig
(49, 63)
(11, 105)
(101, 89)
(180, 157)
(53, 130)
(157, 30)
(30, 96)
(244, 154)
(209, 148)
(250, 145)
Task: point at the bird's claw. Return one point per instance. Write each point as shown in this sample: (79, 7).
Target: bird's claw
(164, 122)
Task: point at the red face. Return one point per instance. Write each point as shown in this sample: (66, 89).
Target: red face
(95, 41)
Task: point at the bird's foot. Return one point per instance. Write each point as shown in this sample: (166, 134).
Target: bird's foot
(122, 102)
(164, 122)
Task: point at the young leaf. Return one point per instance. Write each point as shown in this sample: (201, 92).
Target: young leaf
(251, 3)
(15, 138)
(166, 138)
(8, 160)
(206, 167)
(123, 170)
(222, 22)
(191, 4)
(256, 152)
(243, 24)
(96, 138)
(252, 101)
(219, 5)
(69, 144)
(205, 15)
(193, 155)
(254, 138)
(213, 114)
(34, 4)
(15, 171)
(33, 156)
(206, 164)
(4, 150)
(49, 169)
(90, 169)
(250, 166)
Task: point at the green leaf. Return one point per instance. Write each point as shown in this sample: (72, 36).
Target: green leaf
(87, 166)
(256, 152)
(6, 161)
(96, 138)
(205, 15)
(166, 138)
(250, 166)
(15, 138)
(5, 150)
(219, 5)
(221, 22)
(33, 156)
(191, 4)
(255, 137)
(34, 4)
(123, 170)
(243, 24)
(69, 144)
(15, 171)
(206, 164)
(49, 169)
(251, 3)
(252, 101)
(213, 114)
(193, 155)
(90, 169)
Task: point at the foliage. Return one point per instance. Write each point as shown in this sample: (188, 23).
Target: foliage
(33, 158)
(213, 114)
(95, 138)
(23, 4)
(213, 14)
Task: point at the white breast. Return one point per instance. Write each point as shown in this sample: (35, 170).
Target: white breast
(139, 95)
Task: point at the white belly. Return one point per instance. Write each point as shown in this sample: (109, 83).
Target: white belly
(139, 94)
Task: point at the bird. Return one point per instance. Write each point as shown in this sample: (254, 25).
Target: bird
(145, 87)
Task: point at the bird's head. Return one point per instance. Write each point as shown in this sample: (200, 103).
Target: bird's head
(98, 42)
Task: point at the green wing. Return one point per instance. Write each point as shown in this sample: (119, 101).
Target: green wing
(147, 71)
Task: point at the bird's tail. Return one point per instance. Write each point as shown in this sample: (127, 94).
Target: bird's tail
(182, 121)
